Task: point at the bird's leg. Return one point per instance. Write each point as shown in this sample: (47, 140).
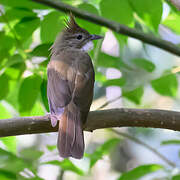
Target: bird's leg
(56, 117)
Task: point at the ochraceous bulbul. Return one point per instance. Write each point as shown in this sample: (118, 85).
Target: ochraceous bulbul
(70, 86)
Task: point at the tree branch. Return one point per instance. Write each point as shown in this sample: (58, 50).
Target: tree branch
(119, 28)
(96, 120)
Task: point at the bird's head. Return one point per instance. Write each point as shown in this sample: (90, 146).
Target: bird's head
(75, 37)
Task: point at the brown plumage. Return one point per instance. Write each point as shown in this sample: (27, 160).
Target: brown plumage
(70, 87)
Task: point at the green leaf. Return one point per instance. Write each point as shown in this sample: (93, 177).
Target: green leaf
(13, 73)
(166, 85)
(50, 26)
(26, 27)
(21, 177)
(23, 3)
(176, 177)
(122, 39)
(173, 141)
(134, 95)
(7, 175)
(66, 165)
(7, 41)
(10, 143)
(8, 44)
(12, 97)
(16, 66)
(20, 67)
(41, 50)
(102, 150)
(44, 94)
(51, 147)
(140, 171)
(31, 157)
(100, 77)
(173, 22)
(17, 13)
(15, 59)
(117, 10)
(4, 113)
(27, 43)
(37, 110)
(28, 92)
(105, 60)
(4, 87)
(89, 8)
(145, 64)
(91, 27)
(150, 11)
(31, 154)
(115, 82)
(11, 162)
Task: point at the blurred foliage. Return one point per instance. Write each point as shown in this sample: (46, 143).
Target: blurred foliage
(172, 141)
(160, 85)
(102, 150)
(66, 165)
(140, 171)
(27, 31)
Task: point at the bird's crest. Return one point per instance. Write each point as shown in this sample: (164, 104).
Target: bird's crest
(72, 26)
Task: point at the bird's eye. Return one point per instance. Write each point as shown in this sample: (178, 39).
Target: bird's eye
(79, 37)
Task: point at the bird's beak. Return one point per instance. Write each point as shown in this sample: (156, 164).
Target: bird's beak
(95, 37)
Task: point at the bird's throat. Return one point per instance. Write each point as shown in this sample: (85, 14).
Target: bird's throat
(88, 46)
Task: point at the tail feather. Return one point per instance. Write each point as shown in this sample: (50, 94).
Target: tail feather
(71, 138)
(78, 143)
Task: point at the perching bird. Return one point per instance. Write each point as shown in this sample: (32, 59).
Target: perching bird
(70, 86)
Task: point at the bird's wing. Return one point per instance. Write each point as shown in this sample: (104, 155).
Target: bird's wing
(71, 79)
(83, 91)
(59, 91)
(84, 85)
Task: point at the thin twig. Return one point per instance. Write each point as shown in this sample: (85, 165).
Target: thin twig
(108, 102)
(119, 28)
(96, 54)
(61, 175)
(136, 140)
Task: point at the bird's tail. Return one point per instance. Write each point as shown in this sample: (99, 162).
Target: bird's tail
(71, 138)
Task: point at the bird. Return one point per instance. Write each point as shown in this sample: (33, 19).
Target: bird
(70, 84)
